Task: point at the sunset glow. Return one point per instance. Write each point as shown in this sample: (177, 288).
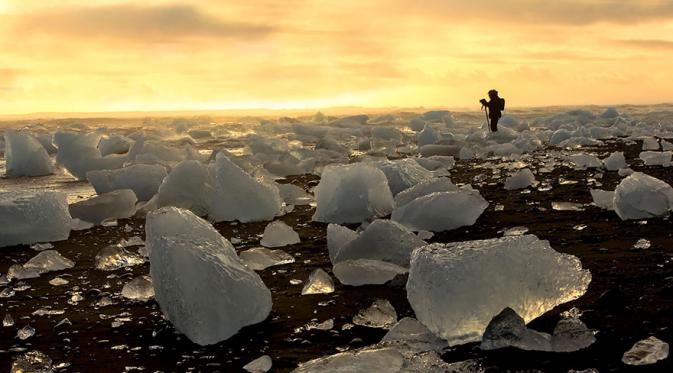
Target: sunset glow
(72, 56)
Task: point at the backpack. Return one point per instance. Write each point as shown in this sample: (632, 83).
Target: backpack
(502, 104)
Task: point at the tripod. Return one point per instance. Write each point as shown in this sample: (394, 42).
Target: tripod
(488, 124)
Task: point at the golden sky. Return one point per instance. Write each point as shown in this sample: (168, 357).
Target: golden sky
(107, 55)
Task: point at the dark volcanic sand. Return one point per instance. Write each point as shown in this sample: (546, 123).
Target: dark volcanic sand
(630, 297)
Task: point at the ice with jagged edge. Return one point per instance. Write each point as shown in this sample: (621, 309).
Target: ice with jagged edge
(143, 179)
(520, 180)
(260, 258)
(641, 196)
(139, 289)
(381, 314)
(118, 204)
(262, 364)
(78, 154)
(442, 184)
(239, 196)
(603, 199)
(319, 282)
(32, 217)
(294, 195)
(279, 234)
(352, 194)
(360, 272)
(403, 174)
(442, 211)
(200, 283)
(114, 257)
(25, 156)
(383, 240)
(456, 288)
(190, 186)
(656, 158)
(615, 161)
(646, 352)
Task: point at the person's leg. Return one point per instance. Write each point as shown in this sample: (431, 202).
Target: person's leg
(494, 124)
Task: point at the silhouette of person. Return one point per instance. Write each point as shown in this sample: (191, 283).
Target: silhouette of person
(495, 107)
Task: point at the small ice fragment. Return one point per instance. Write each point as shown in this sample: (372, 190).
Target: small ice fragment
(571, 334)
(119, 204)
(520, 180)
(603, 199)
(567, 206)
(25, 332)
(32, 362)
(80, 225)
(41, 246)
(319, 282)
(260, 258)
(278, 234)
(114, 257)
(132, 241)
(642, 244)
(139, 289)
(295, 281)
(8, 320)
(260, 365)
(508, 329)
(47, 261)
(381, 314)
(647, 351)
(19, 272)
(515, 231)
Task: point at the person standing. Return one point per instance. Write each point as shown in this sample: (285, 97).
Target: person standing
(495, 107)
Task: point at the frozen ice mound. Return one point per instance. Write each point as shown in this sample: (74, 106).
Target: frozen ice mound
(656, 158)
(200, 283)
(520, 180)
(441, 211)
(278, 234)
(239, 196)
(32, 217)
(352, 194)
(615, 161)
(25, 156)
(641, 196)
(188, 186)
(403, 174)
(455, 289)
(360, 272)
(424, 188)
(143, 179)
(119, 204)
(383, 240)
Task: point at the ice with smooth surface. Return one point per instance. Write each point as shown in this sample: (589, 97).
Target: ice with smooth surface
(32, 217)
(520, 180)
(200, 284)
(139, 289)
(25, 156)
(78, 154)
(352, 194)
(143, 179)
(442, 184)
(615, 161)
(403, 174)
(584, 160)
(319, 282)
(507, 329)
(383, 240)
(239, 196)
(456, 288)
(442, 211)
(656, 158)
(645, 352)
(113, 257)
(414, 334)
(603, 198)
(337, 237)
(650, 143)
(641, 196)
(360, 272)
(294, 195)
(119, 204)
(188, 186)
(260, 258)
(381, 314)
(48, 261)
(279, 234)
(262, 364)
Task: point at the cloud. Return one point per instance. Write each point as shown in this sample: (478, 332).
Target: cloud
(136, 23)
(646, 43)
(566, 12)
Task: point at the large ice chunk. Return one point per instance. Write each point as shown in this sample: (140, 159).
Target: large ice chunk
(521, 179)
(442, 184)
(615, 161)
(656, 158)
(383, 240)
(442, 211)
(120, 204)
(31, 217)
(114, 144)
(25, 156)
(352, 194)
(641, 196)
(455, 289)
(403, 173)
(337, 237)
(260, 258)
(201, 285)
(78, 154)
(360, 272)
(143, 179)
(188, 186)
(238, 196)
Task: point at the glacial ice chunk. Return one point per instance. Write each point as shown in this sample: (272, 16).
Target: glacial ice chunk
(200, 284)
(571, 334)
(32, 362)
(260, 258)
(615, 161)
(238, 196)
(442, 211)
(111, 258)
(139, 289)
(337, 237)
(383, 240)
(318, 282)
(352, 194)
(507, 329)
(48, 261)
(294, 195)
(188, 186)
(32, 217)
(455, 289)
(360, 272)
(262, 364)
(641, 196)
(442, 184)
(656, 158)
(143, 179)
(650, 143)
(114, 144)
(645, 352)
(119, 204)
(603, 199)
(427, 136)
(25, 156)
(585, 160)
(278, 234)
(414, 334)
(381, 314)
(520, 180)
